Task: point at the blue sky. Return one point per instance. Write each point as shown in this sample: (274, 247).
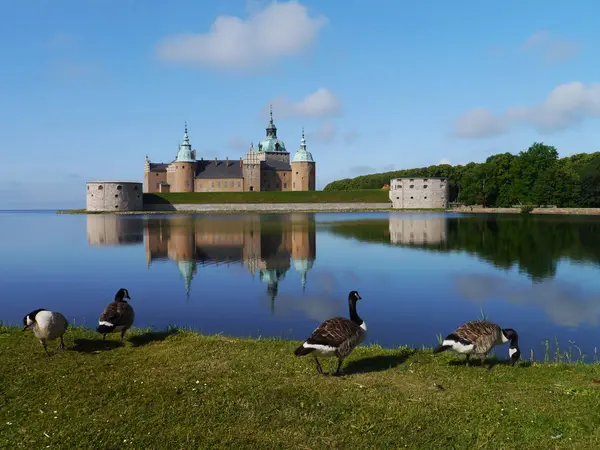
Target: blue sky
(89, 87)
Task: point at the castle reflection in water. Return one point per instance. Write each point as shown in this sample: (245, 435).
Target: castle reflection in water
(265, 243)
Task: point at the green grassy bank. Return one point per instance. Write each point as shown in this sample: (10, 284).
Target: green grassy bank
(185, 390)
(366, 196)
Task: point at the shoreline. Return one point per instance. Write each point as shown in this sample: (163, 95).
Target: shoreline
(217, 391)
(229, 208)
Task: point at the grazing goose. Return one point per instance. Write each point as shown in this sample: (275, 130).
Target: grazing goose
(478, 338)
(118, 316)
(336, 337)
(46, 326)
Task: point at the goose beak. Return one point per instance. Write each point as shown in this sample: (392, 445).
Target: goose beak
(24, 328)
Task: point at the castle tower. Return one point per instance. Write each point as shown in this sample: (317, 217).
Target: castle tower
(147, 175)
(303, 169)
(185, 166)
(304, 245)
(251, 169)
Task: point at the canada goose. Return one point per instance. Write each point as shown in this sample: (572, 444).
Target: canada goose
(118, 316)
(478, 338)
(336, 337)
(46, 326)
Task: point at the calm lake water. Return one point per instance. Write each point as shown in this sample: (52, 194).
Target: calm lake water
(282, 274)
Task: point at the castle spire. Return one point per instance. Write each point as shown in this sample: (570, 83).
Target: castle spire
(271, 128)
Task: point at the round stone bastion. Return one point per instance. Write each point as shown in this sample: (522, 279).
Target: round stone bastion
(114, 196)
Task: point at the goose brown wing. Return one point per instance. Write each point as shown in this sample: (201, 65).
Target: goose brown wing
(118, 313)
(333, 332)
(476, 330)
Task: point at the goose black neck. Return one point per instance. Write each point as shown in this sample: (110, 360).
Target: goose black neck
(512, 336)
(353, 314)
(119, 297)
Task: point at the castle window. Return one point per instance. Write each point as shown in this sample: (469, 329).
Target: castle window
(225, 184)
(425, 187)
(285, 185)
(119, 188)
(425, 198)
(213, 185)
(239, 184)
(200, 185)
(156, 174)
(296, 173)
(138, 196)
(135, 188)
(88, 188)
(412, 186)
(293, 185)
(116, 195)
(218, 184)
(397, 198)
(100, 187)
(268, 185)
(411, 198)
(116, 206)
(187, 184)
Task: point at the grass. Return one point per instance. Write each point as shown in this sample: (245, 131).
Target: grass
(362, 196)
(179, 389)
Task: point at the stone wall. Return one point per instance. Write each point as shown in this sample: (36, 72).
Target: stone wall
(268, 207)
(152, 180)
(419, 193)
(114, 196)
(219, 185)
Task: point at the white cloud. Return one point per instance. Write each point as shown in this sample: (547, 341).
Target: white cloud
(444, 161)
(566, 105)
(551, 48)
(321, 103)
(277, 31)
(350, 137)
(325, 133)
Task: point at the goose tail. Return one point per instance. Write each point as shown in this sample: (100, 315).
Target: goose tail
(302, 351)
(105, 328)
(441, 348)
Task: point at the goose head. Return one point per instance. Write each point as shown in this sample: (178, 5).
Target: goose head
(29, 319)
(514, 351)
(122, 294)
(354, 296)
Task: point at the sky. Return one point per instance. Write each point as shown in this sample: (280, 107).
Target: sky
(89, 87)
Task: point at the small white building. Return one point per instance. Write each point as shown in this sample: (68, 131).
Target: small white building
(114, 196)
(419, 193)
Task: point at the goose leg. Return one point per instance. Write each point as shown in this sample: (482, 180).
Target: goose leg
(468, 363)
(122, 335)
(482, 357)
(319, 369)
(45, 347)
(338, 372)
(62, 345)
(103, 337)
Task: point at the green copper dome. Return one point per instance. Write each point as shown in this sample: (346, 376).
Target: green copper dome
(303, 155)
(272, 143)
(302, 266)
(185, 150)
(187, 269)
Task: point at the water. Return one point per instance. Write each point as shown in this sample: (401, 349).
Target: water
(281, 274)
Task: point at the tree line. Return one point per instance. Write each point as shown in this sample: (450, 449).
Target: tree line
(535, 244)
(536, 176)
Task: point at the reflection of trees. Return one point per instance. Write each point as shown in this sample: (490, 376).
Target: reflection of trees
(533, 243)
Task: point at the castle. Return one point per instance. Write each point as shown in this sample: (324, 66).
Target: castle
(265, 169)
